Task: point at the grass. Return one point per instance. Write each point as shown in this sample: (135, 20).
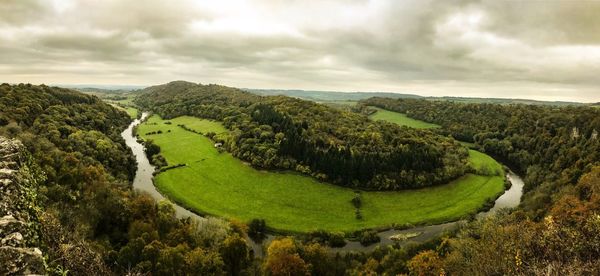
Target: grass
(400, 119)
(484, 164)
(127, 105)
(132, 111)
(218, 184)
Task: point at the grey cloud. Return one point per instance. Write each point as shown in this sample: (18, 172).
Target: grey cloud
(380, 45)
(20, 12)
(549, 22)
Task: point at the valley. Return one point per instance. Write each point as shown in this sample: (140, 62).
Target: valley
(299, 138)
(223, 164)
(218, 184)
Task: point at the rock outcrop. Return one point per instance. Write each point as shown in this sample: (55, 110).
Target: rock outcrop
(19, 227)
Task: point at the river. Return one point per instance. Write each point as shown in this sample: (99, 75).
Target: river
(143, 182)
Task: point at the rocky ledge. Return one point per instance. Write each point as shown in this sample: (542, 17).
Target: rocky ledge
(19, 236)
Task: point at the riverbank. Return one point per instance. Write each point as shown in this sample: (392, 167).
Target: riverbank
(143, 181)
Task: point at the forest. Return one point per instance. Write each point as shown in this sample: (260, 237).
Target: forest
(93, 223)
(555, 229)
(344, 148)
(552, 146)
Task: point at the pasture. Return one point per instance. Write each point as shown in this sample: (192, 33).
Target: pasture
(400, 119)
(221, 185)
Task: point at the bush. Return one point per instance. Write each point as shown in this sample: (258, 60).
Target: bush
(159, 161)
(369, 237)
(356, 200)
(327, 238)
(151, 148)
(337, 240)
(257, 229)
(357, 214)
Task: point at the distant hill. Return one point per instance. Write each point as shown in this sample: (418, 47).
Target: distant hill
(325, 96)
(321, 96)
(336, 96)
(90, 87)
(503, 101)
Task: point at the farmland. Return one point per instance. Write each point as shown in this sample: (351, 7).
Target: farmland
(219, 184)
(400, 119)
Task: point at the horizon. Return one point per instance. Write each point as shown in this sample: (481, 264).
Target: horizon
(132, 87)
(546, 51)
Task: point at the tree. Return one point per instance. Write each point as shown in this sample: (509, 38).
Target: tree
(202, 262)
(236, 254)
(257, 229)
(283, 259)
(425, 263)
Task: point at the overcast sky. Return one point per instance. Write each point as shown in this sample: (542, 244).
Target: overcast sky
(547, 50)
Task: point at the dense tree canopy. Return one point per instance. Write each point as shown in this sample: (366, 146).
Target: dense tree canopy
(553, 146)
(92, 223)
(342, 147)
(554, 231)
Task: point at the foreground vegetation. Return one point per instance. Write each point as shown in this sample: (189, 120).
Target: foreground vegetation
(217, 183)
(90, 222)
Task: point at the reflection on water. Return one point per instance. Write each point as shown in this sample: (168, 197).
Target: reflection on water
(511, 198)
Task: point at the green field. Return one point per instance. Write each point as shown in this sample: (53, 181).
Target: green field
(133, 112)
(219, 184)
(126, 105)
(400, 119)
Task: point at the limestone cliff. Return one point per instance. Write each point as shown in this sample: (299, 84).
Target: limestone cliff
(19, 226)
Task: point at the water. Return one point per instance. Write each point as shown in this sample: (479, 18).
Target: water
(510, 199)
(143, 182)
(143, 175)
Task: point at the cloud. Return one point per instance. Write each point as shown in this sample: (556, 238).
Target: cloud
(462, 47)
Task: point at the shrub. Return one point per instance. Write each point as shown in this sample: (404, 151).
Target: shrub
(356, 200)
(151, 148)
(357, 214)
(257, 229)
(369, 237)
(337, 240)
(328, 238)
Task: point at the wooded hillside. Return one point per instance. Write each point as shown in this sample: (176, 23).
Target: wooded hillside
(341, 147)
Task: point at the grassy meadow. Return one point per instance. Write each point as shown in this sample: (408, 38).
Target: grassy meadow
(125, 105)
(219, 184)
(400, 119)
(132, 111)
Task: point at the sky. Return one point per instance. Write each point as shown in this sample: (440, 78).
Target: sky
(546, 50)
